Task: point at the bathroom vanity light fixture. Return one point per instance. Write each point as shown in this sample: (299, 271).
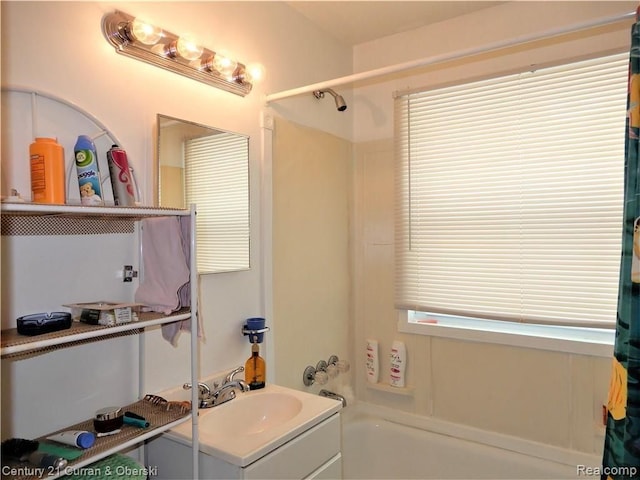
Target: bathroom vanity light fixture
(180, 54)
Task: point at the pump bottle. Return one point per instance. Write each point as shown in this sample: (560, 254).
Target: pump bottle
(255, 369)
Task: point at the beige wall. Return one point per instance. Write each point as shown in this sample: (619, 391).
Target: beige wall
(311, 268)
(540, 396)
(172, 186)
(547, 397)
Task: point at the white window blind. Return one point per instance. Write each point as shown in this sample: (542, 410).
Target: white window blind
(509, 195)
(216, 181)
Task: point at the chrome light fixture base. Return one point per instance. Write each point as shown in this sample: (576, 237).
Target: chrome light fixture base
(117, 29)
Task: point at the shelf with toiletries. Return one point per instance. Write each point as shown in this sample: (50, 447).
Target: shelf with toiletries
(31, 216)
(159, 418)
(43, 222)
(13, 343)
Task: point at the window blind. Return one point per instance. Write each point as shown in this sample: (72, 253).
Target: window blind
(213, 183)
(509, 195)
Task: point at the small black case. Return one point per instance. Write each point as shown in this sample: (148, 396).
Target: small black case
(39, 323)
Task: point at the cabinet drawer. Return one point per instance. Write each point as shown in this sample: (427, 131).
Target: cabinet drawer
(332, 470)
(300, 457)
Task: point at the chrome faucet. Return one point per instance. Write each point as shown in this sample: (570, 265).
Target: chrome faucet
(224, 392)
(335, 396)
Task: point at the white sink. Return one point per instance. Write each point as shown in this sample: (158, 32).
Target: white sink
(252, 414)
(255, 423)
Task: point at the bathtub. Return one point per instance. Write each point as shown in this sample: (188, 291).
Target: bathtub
(375, 448)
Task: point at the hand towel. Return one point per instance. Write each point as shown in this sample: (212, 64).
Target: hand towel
(164, 267)
(165, 285)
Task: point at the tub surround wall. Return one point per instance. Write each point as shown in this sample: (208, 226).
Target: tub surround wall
(547, 397)
(312, 176)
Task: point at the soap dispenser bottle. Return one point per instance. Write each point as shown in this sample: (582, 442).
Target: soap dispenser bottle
(255, 369)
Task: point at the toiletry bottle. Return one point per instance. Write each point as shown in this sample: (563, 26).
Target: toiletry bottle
(397, 364)
(75, 438)
(120, 174)
(372, 364)
(255, 369)
(88, 171)
(47, 171)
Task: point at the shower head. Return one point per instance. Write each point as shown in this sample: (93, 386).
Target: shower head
(340, 103)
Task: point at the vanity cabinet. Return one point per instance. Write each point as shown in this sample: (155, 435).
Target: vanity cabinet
(33, 234)
(314, 454)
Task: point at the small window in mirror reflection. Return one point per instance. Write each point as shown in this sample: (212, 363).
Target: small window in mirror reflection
(209, 168)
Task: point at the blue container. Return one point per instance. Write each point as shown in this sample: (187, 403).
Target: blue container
(254, 324)
(88, 172)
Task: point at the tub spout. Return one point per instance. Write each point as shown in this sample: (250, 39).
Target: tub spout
(335, 396)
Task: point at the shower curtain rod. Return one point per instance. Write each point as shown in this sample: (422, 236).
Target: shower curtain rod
(423, 62)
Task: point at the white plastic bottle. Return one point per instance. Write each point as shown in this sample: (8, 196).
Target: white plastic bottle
(398, 363)
(373, 366)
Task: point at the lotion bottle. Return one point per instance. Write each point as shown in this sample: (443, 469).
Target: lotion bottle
(373, 366)
(398, 363)
(75, 438)
(47, 171)
(255, 369)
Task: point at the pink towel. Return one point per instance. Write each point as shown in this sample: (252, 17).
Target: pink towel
(165, 284)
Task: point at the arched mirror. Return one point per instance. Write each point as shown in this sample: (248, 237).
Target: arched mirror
(207, 167)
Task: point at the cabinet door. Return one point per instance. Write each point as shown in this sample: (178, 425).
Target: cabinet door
(300, 457)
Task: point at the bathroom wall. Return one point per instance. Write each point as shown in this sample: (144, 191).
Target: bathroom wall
(311, 184)
(549, 397)
(553, 398)
(58, 48)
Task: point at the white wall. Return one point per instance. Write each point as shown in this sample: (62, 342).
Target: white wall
(58, 48)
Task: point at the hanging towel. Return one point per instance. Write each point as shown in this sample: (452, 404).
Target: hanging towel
(171, 331)
(165, 286)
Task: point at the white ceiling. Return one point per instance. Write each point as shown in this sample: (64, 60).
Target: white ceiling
(355, 22)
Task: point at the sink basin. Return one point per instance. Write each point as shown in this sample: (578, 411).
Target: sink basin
(252, 414)
(255, 423)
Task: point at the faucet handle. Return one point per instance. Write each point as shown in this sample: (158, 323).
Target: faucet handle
(203, 388)
(233, 373)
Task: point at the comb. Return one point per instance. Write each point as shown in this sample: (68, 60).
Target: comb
(155, 399)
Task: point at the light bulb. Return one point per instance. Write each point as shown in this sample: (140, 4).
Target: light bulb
(254, 72)
(145, 32)
(188, 48)
(224, 64)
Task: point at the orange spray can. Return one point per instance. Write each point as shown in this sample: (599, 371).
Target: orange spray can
(47, 171)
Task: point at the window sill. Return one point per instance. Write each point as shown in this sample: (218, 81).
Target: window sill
(583, 341)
